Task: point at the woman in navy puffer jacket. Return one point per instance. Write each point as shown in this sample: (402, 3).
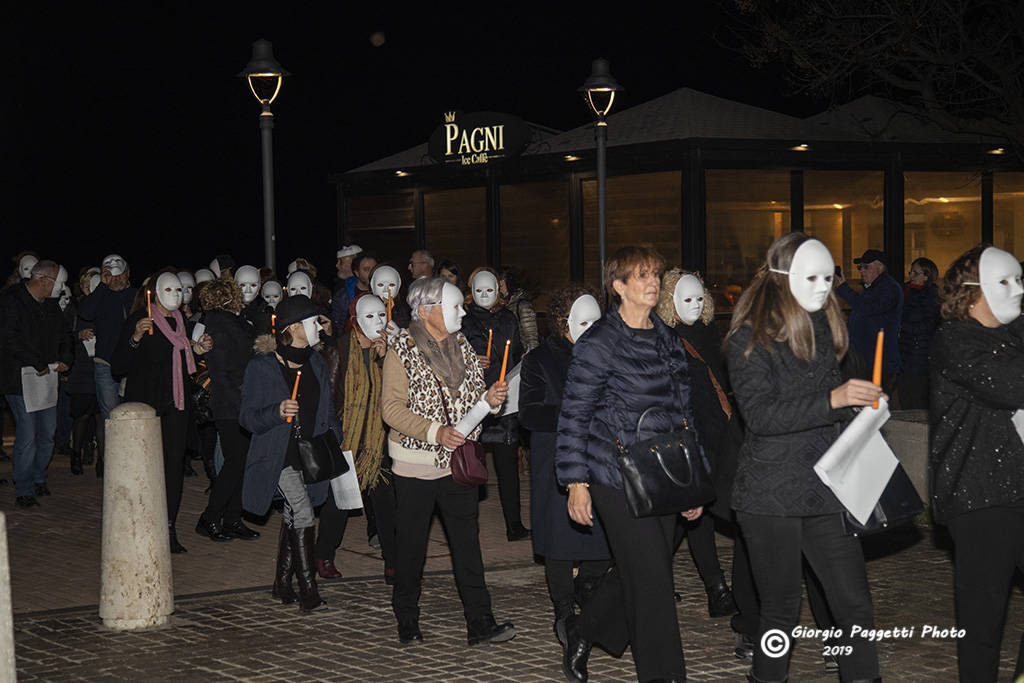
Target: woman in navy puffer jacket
(627, 362)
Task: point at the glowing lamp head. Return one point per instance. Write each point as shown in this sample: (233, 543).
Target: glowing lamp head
(599, 89)
(264, 74)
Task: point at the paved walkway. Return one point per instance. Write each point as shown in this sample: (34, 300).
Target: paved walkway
(226, 626)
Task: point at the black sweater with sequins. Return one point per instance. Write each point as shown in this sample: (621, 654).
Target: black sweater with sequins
(976, 457)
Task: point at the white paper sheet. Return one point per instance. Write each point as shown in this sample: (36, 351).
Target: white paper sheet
(474, 417)
(346, 487)
(90, 346)
(859, 464)
(39, 393)
(198, 331)
(511, 404)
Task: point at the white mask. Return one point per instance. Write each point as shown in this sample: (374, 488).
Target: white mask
(371, 316)
(688, 298)
(485, 289)
(312, 327)
(810, 275)
(248, 278)
(584, 312)
(299, 283)
(59, 281)
(215, 267)
(65, 298)
(292, 267)
(385, 279)
(169, 291)
(115, 263)
(25, 265)
(1000, 273)
(204, 275)
(94, 282)
(451, 308)
(272, 292)
(188, 283)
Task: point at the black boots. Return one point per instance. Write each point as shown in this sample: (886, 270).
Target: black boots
(283, 575)
(176, 547)
(576, 653)
(305, 568)
(212, 530)
(486, 630)
(409, 632)
(562, 612)
(720, 600)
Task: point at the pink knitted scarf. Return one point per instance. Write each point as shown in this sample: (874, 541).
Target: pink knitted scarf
(180, 342)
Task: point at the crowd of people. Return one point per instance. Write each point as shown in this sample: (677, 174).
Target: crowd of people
(244, 369)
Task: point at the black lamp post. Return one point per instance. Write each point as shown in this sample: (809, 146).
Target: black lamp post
(264, 76)
(599, 92)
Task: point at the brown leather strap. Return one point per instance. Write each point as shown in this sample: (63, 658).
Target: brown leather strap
(722, 398)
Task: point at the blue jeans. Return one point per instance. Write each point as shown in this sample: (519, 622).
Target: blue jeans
(33, 444)
(107, 389)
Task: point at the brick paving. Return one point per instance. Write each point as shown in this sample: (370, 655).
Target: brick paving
(226, 626)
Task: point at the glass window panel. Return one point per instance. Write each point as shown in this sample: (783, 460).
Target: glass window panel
(456, 226)
(642, 209)
(535, 235)
(942, 216)
(845, 210)
(746, 211)
(383, 225)
(1008, 212)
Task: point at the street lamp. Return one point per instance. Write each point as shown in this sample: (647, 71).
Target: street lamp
(599, 92)
(264, 76)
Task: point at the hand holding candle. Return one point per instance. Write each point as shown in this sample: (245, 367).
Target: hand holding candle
(876, 375)
(149, 308)
(504, 362)
(295, 391)
(273, 323)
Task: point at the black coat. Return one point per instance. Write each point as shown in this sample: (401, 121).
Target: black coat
(976, 457)
(33, 334)
(147, 368)
(257, 313)
(617, 373)
(786, 407)
(505, 325)
(920, 319)
(232, 348)
(542, 381)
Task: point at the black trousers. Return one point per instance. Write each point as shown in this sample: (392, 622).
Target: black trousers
(226, 495)
(989, 545)
(777, 545)
(634, 602)
(174, 431)
(506, 468)
(701, 541)
(558, 575)
(331, 531)
(459, 507)
(382, 501)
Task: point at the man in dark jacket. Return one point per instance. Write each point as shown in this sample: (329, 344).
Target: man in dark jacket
(37, 342)
(878, 307)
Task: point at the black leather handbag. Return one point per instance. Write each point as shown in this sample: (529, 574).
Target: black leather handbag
(664, 474)
(899, 504)
(321, 456)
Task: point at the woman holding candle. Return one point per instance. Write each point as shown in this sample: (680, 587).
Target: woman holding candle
(976, 456)
(491, 328)
(156, 367)
(784, 347)
(628, 364)
(431, 380)
(286, 394)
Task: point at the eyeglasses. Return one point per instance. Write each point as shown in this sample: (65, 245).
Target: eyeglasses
(863, 266)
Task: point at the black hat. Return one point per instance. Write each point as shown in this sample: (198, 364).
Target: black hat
(871, 255)
(225, 262)
(293, 309)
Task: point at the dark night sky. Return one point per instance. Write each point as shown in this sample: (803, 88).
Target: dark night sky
(125, 129)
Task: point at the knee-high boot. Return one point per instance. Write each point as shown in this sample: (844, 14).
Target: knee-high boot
(305, 568)
(283, 574)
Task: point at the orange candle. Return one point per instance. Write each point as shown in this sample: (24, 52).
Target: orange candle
(490, 335)
(504, 361)
(149, 309)
(295, 391)
(273, 323)
(389, 304)
(876, 375)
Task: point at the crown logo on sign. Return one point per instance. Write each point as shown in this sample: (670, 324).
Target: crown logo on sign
(449, 117)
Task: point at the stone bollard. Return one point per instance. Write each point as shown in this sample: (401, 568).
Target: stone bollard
(136, 589)
(8, 668)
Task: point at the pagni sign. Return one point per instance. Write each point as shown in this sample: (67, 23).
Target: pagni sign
(478, 138)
